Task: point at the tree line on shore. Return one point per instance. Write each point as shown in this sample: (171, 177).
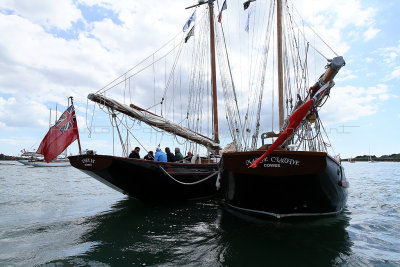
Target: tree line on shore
(392, 157)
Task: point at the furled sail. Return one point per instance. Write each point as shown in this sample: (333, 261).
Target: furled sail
(317, 92)
(155, 120)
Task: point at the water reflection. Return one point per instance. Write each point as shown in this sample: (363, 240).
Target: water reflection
(256, 242)
(205, 233)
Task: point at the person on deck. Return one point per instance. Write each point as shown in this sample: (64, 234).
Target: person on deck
(149, 156)
(170, 155)
(135, 153)
(188, 157)
(178, 155)
(160, 155)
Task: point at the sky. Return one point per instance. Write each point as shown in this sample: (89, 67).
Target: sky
(50, 50)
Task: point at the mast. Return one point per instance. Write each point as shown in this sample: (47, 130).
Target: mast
(213, 68)
(213, 71)
(280, 65)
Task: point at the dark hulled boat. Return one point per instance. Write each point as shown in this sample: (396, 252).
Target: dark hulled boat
(153, 181)
(150, 180)
(285, 184)
(293, 176)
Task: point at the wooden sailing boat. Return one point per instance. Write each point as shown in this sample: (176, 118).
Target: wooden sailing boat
(294, 176)
(158, 181)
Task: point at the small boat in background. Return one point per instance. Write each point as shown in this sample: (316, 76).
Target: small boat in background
(370, 160)
(28, 156)
(61, 162)
(37, 160)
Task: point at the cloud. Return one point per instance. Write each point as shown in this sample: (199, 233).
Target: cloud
(395, 74)
(22, 113)
(390, 54)
(350, 102)
(370, 33)
(346, 74)
(47, 13)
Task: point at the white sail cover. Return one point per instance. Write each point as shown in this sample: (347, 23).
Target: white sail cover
(155, 120)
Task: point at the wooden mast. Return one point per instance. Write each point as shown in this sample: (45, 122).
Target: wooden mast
(213, 71)
(280, 65)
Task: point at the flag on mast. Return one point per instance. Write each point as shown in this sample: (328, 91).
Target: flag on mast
(191, 19)
(190, 33)
(220, 13)
(247, 4)
(59, 136)
(248, 19)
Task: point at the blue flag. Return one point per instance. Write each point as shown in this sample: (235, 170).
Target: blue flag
(248, 19)
(192, 18)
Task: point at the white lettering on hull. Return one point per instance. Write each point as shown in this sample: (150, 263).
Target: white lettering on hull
(88, 162)
(274, 162)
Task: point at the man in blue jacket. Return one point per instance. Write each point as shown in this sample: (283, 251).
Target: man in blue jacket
(160, 155)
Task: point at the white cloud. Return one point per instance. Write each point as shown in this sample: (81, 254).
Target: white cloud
(22, 112)
(390, 53)
(48, 13)
(350, 102)
(345, 75)
(370, 33)
(395, 74)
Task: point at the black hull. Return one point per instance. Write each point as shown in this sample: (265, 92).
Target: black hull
(151, 181)
(301, 184)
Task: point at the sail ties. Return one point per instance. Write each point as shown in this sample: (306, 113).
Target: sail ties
(155, 120)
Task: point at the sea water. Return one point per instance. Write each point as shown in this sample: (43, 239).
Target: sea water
(59, 216)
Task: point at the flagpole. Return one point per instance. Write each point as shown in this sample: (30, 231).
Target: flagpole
(79, 140)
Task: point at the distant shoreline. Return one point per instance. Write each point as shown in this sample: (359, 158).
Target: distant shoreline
(384, 158)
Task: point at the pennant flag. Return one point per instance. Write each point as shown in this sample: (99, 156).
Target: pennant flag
(59, 136)
(220, 13)
(248, 19)
(247, 4)
(192, 18)
(190, 33)
(294, 121)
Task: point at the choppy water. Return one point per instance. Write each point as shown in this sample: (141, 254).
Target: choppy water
(62, 217)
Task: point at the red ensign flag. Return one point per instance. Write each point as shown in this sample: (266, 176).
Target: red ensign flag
(60, 136)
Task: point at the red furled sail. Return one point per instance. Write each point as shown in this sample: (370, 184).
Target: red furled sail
(294, 121)
(59, 136)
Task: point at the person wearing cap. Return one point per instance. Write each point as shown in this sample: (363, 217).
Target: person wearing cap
(160, 155)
